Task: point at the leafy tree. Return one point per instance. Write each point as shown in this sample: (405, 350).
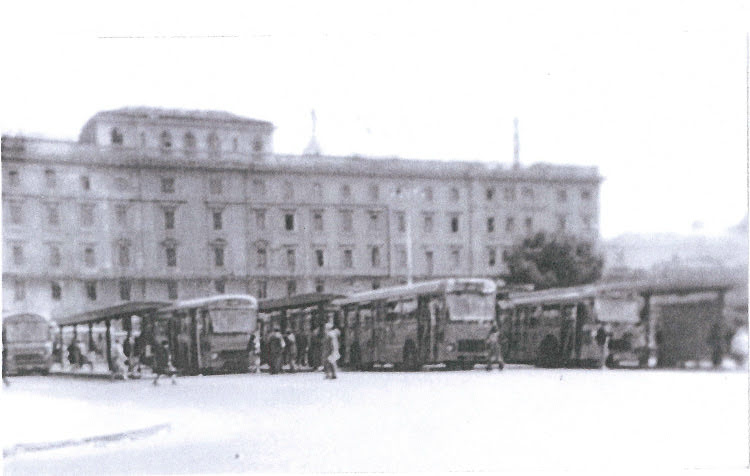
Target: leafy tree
(549, 261)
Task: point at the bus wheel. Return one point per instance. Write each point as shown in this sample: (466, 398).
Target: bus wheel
(548, 350)
(410, 356)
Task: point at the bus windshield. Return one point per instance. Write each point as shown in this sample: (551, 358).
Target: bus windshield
(27, 332)
(470, 306)
(226, 321)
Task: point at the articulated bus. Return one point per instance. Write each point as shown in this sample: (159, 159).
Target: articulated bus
(206, 335)
(27, 340)
(558, 327)
(437, 322)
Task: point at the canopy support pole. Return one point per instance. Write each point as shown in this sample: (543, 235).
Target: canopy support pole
(109, 343)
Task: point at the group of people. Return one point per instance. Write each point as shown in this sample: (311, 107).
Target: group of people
(296, 350)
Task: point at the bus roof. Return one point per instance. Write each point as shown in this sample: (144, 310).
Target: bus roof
(298, 301)
(552, 296)
(233, 299)
(485, 286)
(23, 315)
(111, 312)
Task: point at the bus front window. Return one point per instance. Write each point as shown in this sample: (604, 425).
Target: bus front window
(27, 332)
(470, 306)
(227, 321)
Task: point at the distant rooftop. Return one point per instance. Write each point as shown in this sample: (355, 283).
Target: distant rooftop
(143, 112)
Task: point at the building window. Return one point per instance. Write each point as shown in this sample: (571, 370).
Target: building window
(213, 143)
(143, 139)
(374, 192)
(586, 195)
(320, 286)
(16, 213)
(19, 290)
(505, 255)
(123, 254)
(317, 191)
(89, 256)
(220, 285)
(18, 255)
(172, 290)
(167, 185)
(318, 221)
(124, 290)
(454, 194)
(217, 220)
(288, 191)
(87, 215)
(401, 219)
(50, 178)
(491, 257)
(115, 136)
(587, 222)
(528, 223)
(562, 195)
(428, 194)
(56, 291)
(291, 287)
(562, 222)
(55, 258)
(374, 221)
(347, 220)
(527, 193)
(319, 258)
(455, 258)
(261, 258)
(85, 182)
(401, 256)
(490, 224)
(188, 141)
(171, 252)
(218, 256)
(165, 140)
(121, 215)
(348, 259)
(346, 192)
(429, 263)
(13, 178)
(510, 224)
(375, 256)
(291, 259)
(509, 194)
(235, 144)
(261, 290)
(427, 224)
(259, 186)
(454, 224)
(257, 145)
(289, 221)
(490, 193)
(91, 290)
(169, 219)
(260, 219)
(215, 186)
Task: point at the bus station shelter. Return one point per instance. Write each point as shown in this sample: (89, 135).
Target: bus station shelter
(107, 315)
(279, 310)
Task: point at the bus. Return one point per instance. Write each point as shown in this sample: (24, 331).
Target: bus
(558, 327)
(27, 341)
(206, 335)
(436, 322)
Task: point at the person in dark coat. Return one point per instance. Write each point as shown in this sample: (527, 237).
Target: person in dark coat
(716, 342)
(290, 350)
(302, 348)
(275, 351)
(6, 382)
(74, 353)
(163, 363)
(494, 353)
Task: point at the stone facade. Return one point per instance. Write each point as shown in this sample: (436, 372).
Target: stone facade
(159, 204)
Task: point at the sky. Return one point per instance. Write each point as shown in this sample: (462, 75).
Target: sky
(652, 93)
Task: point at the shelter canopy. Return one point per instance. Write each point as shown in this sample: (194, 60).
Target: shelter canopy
(111, 312)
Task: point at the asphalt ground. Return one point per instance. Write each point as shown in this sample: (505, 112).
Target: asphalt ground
(520, 418)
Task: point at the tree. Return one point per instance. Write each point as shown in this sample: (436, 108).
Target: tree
(554, 261)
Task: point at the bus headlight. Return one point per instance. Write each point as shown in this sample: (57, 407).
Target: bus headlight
(451, 347)
(214, 356)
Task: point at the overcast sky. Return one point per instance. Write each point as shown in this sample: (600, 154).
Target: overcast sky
(653, 93)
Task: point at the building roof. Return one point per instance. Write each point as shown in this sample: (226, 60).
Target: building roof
(156, 113)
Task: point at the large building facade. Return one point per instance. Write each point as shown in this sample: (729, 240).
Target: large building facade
(162, 204)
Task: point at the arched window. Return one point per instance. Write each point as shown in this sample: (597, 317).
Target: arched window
(189, 141)
(115, 136)
(213, 142)
(166, 140)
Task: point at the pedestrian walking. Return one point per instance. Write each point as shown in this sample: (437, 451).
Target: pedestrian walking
(494, 352)
(6, 382)
(74, 353)
(290, 350)
(303, 341)
(253, 353)
(275, 350)
(119, 369)
(716, 342)
(602, 340)
(163, 363)
(331, 350)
